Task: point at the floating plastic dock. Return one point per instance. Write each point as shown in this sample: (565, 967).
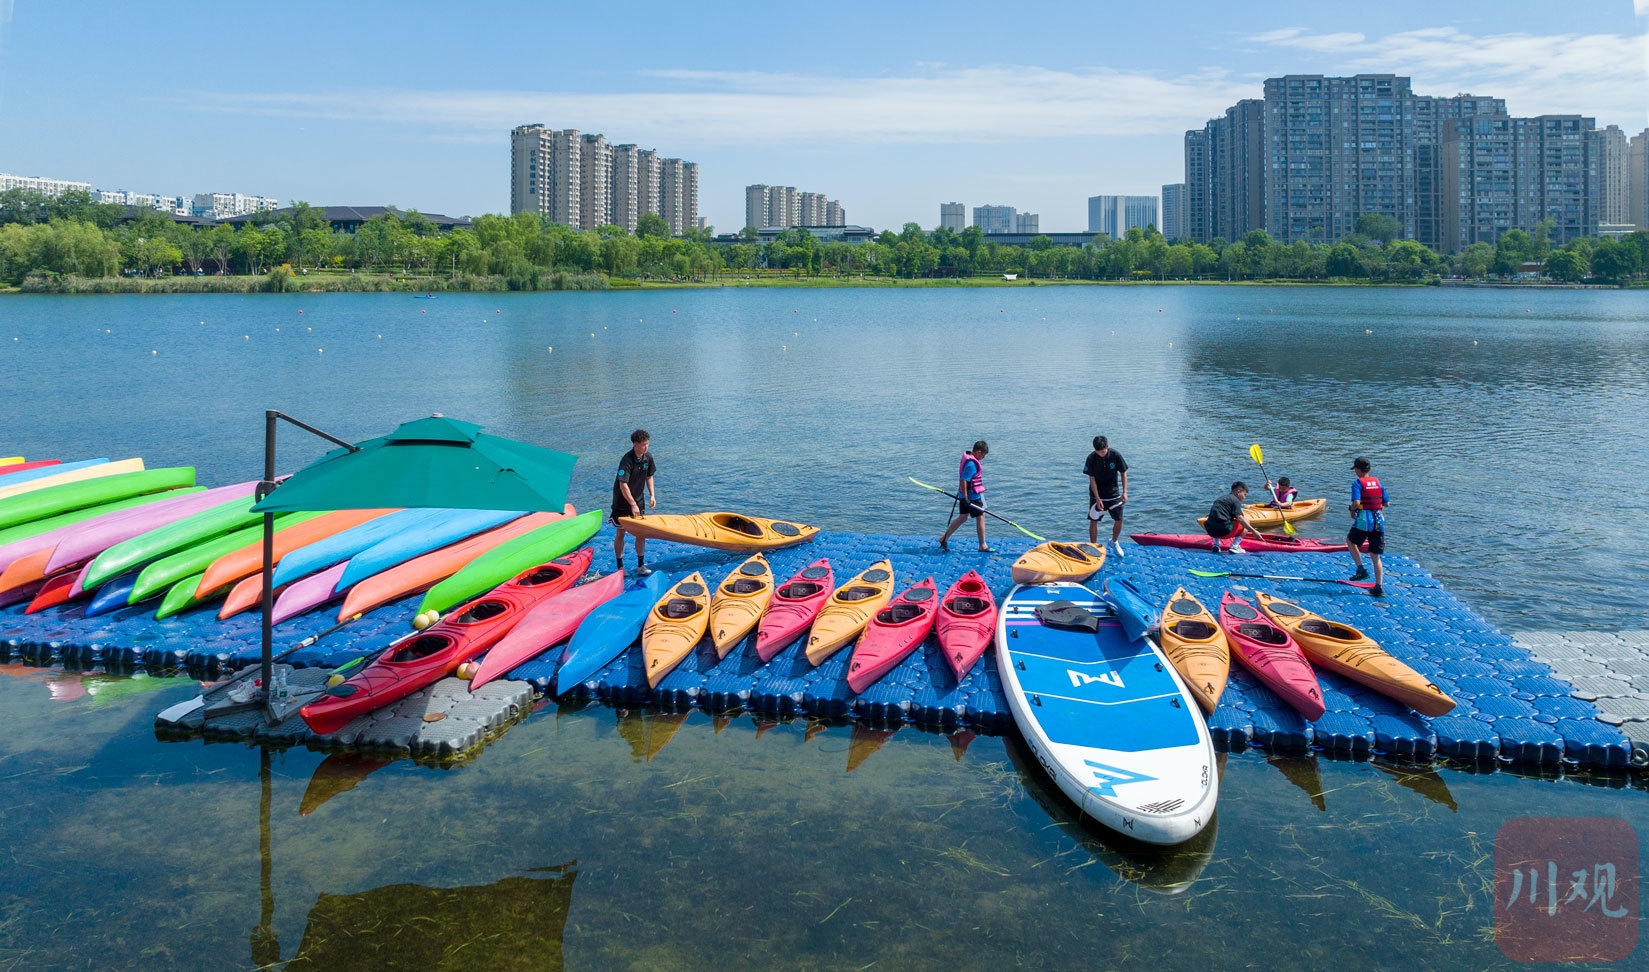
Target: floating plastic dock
(1530, 703)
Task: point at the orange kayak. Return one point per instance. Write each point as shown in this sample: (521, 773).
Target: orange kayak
(233, 566)
(25, 570)
(437, 565)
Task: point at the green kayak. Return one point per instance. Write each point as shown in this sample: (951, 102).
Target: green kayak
(139, 550)
(504, 561)
(34, 528)
(179, 597)
(41, 503)
(172, 568)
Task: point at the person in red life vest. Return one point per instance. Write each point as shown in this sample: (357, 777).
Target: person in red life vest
(970, 488)
(1226, 520)
(1283, 493)
(1369, 500)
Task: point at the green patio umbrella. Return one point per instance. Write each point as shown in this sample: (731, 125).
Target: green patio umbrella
(433, 462)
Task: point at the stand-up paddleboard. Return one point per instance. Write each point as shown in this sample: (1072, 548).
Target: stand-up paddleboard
(1108, 719)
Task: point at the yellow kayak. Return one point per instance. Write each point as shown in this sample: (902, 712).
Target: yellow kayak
(723, 531)
(1265, 517)
(849, 610)
(1344, 650)
(674, 626)
(739, 603)
(1195, 644)
(1054, 561)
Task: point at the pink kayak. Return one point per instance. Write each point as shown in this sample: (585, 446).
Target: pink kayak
(87, 540)
(1272, 655)
(892, 633)
(547, 623)
(1267, 543)
(309, 592)
(967, 622)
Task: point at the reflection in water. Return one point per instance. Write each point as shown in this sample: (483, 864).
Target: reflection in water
(1302, 771)
(102, 687)
(959, 741)
(338, 773)
(513, 923)
(863, 743)
(1423, 780)
(648, 732)
(1164, 870)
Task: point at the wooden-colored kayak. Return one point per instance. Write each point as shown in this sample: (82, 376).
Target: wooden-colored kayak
(1344, 650)
(849, 609)
(1192, 639)
(892, 633)
(794, 606)
(119, 467)
(1051, 562)
(966, 623)
(234, 566)
(723, 531)
(739, 603)
(422, 571)
(674, 626)
(1272, 655)
(1263, 516)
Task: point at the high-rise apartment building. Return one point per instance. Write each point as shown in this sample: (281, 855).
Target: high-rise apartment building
(1225, 174)
(1637, 178)
(45, 187)
(584, 182)
(1197, 222)
(1173, 210)
(1028, 223)
(1613, 160)
(768, 207)
(1502, 173)
(953, 216)
(994, 219)
(1113, 215)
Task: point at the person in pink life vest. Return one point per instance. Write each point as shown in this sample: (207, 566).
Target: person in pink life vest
(970, 488)
(1283, 494)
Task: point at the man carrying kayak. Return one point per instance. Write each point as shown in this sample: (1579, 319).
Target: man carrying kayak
(1368, 522)
(632, 487)
(970, 490)
(1107, 474)
(1226, 520)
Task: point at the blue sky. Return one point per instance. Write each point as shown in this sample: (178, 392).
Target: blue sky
(892, 108)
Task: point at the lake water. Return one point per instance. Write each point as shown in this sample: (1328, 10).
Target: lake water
(1505, 424)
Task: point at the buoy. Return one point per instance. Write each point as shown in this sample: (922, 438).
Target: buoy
(1170, 344)
(467, 671)
(380, 337)
(246, 337)
(784, 347)
(423, 312)
(672, 310)
(320, 350)
(592, 334)
(548, 348)
(300, 312)
(499, 311)
(310, 329)
(1474, 344)
(154, 352)
(334, 680)
(203, 322)
(424, 619)
(1367, 331)
(277, 330)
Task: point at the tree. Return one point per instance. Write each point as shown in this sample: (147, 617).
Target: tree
(1540, 245)
(1378, 226)
(652, 224)
(1476, 259)
(1512, 251)
(1343, 261)
(1566, 265)
(1615, 261)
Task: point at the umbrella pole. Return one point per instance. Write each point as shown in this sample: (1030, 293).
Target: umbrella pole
(264, 488)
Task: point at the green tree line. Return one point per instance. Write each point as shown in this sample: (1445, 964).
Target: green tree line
(70, 236)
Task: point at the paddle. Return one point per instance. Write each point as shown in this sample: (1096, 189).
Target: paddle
(987, 512)
(1255, 453)
(1364, 585)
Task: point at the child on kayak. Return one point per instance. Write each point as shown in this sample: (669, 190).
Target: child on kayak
(1369, 500)
(970, 489)
(1227, 521)
(1282, 492)
(633, 486)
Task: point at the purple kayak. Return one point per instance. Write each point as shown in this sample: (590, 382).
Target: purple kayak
(309, 592)
(31, 546)
(83, 541)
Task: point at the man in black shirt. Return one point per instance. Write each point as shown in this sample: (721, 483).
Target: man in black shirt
(632, 487)
(1107, 474)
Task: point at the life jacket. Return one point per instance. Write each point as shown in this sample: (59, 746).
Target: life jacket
(1374, 495)
(977, 484)
(1284, 498)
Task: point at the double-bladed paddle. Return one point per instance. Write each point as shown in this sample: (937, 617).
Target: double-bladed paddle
(1364, 585)
(987, 512)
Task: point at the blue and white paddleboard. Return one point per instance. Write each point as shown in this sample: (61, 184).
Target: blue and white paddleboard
(1108, 718)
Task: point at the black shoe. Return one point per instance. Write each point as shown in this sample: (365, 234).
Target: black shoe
(1361, 575)
(944, 545)
(1377, 591)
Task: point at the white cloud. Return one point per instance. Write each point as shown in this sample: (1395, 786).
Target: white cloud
(1602, 75)
(973, 105)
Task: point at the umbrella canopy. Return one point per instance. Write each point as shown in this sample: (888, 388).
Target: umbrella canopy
(433, 462)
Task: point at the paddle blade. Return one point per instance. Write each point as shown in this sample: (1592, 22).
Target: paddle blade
(1255, 453)
(1211, 573)
(1288, 528)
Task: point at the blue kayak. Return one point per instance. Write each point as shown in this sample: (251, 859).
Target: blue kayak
(1135, 612)
(433, 535)
(112, 595)
(27, 475)
(608, 630)
(341, 546)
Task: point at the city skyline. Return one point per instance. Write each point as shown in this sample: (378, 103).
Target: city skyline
(896, 133)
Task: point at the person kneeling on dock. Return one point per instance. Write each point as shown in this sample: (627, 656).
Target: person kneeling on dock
(1226, 520)
(970, 490)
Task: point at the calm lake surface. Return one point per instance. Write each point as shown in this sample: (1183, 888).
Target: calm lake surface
(1507, 425)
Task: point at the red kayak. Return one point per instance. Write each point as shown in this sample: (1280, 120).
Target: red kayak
(892, 633)
(550, 621)
(967, 622)
(58, 589)
(1272, 655)
(438, 651)
(18, 467)
(1267, 542)
(793, 608)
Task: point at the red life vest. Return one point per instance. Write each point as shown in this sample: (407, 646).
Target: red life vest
(977, 483)
(1373, 494)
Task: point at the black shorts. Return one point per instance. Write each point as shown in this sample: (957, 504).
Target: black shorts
(974, 508)
(612, 517)
(1113, 506)
(1376, 539)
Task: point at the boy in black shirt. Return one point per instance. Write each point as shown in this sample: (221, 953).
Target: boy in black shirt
(1226, 520)
(1107, 474)
(633, 486)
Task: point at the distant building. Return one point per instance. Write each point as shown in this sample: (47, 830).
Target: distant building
(595, 164)
(1173, 210)
(1614, 165)
(223, 205)
(46, 187)
(1026, 223)
(1114, 215)
(994, 219)
(1637, 178)
(1502, 173)
(839, 232)
(348, 219)
(780, 207)
(624, 206)
(953, 216)
(583, 181)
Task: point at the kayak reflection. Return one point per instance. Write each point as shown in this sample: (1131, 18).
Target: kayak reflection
(647, 731)
(1303, 772)
(338, 773)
